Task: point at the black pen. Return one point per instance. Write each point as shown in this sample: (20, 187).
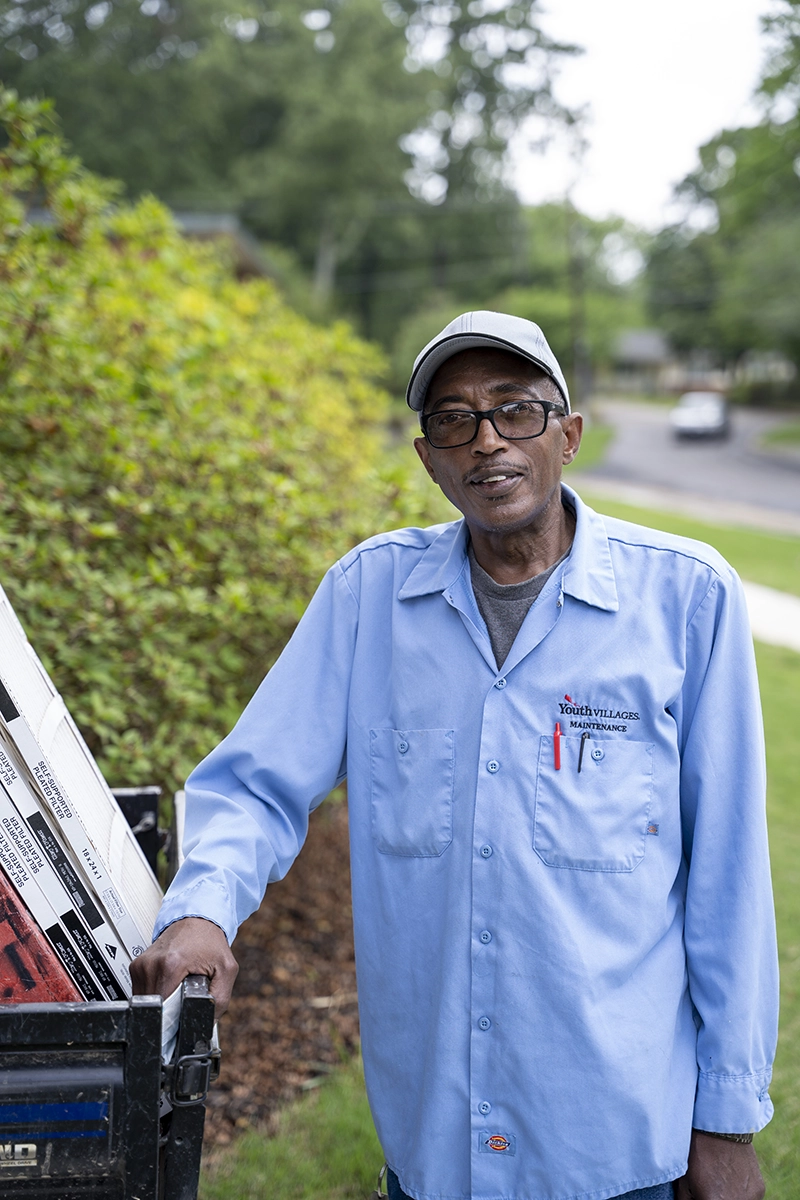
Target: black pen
(584, 736)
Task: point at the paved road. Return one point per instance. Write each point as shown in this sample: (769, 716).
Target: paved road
(733, 480)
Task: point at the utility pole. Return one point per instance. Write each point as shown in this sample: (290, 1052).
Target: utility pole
(576, 273)
(576, 288)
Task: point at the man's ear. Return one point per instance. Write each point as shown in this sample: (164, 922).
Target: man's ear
(572, 429)
(423, 450)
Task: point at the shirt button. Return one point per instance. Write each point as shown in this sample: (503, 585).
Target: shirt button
(402, 747)
(500, 683)
(493, 765)
(484, 1108)
(484, 1023)
(486, 937)
(486, 851)
(597, 753)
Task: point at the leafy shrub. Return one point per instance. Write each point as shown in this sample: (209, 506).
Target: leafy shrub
(181, 457)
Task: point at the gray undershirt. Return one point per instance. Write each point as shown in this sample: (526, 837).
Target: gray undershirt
(504, 606)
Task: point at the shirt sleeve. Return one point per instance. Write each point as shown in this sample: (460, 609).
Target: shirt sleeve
(729, 925)
(248, 802)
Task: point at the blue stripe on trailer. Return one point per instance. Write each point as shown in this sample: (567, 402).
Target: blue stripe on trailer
(77, 1110)
(37, 1135)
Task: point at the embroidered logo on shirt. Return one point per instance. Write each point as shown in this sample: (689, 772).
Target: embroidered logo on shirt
(497, 1143)
(599, 718)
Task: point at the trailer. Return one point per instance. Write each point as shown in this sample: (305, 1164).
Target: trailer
(88, 1109)
(102, 1097)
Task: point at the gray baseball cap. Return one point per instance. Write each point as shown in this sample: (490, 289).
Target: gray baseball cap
(474, 330)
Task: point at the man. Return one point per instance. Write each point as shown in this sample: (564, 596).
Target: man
(549, 723)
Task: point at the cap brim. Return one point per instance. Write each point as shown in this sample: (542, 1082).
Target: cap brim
(427, 367)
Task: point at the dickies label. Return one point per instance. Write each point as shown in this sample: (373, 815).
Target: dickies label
(496, 1143)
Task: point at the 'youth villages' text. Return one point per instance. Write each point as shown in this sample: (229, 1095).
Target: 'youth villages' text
(605, 714)
(601, 716)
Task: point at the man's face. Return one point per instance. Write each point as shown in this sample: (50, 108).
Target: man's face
(500, 485)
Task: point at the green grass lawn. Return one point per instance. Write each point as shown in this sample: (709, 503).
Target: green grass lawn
(325, 1146)
(593, 446)
(784, 435)
(779, 1145)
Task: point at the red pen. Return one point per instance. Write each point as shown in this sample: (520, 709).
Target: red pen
(557, 747)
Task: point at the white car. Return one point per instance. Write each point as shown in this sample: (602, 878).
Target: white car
(700, 414)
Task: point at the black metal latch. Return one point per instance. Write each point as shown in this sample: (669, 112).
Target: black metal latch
(187, 1080)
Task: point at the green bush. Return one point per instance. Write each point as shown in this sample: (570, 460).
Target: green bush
(182, 457)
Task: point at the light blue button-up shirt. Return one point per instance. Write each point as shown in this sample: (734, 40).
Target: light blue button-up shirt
(560, 968)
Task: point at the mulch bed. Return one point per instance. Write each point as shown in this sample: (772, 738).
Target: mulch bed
(293, 1016)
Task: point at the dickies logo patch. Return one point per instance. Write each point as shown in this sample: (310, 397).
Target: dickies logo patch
(496, 1143)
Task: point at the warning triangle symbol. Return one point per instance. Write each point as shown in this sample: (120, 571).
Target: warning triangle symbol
(112, 950)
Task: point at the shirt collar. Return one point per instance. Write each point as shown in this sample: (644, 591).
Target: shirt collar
(588, 572)
(440, 565)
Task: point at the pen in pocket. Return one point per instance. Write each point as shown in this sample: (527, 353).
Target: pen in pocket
(584, 737)
(557, 746)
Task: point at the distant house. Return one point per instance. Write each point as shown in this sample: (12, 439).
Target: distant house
(643, 361)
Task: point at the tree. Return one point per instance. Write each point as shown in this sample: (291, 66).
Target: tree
(730, 288)
(722, 280)
(574, 287)
(781, 76)
(492, 63)
(333, 130)
(683, 280)
(290, 117)
(760, 300)
(335, 155)
(134, 85)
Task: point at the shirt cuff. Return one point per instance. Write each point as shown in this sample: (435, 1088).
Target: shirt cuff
(733, 1103)
(206, 899)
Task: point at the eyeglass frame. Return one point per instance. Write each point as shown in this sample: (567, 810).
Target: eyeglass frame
(488, 415)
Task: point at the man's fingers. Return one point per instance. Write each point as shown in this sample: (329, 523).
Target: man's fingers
(222, 972)
(221, 990)
(145, 975)
(192, 946)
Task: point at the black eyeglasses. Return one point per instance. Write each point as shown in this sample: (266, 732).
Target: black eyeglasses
(516, 421)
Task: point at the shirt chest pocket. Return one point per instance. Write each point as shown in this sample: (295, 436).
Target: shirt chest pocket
(594, 819)
(411, 776)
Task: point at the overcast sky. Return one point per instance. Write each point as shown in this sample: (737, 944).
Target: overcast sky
(659, 79)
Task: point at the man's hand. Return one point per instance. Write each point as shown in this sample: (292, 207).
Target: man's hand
(720, 1170)
(188, 947)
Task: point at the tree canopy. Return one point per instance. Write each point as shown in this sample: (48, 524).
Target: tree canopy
(332, 130)
(726, 280)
